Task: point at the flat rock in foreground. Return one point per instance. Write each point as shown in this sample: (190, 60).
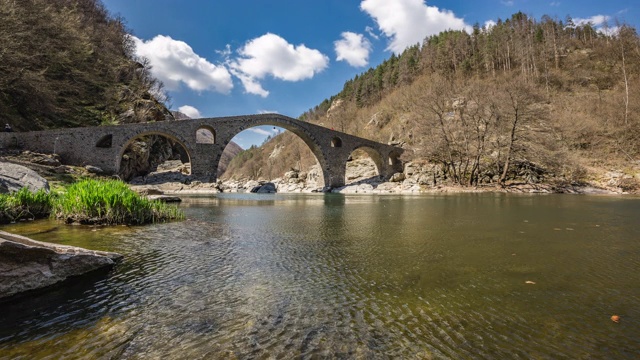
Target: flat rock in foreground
(26, 264)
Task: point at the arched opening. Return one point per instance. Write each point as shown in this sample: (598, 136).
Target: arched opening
(336, 142)
(105, 141)
(154, 158)
(205, 135)
(394, 161)
(363, 166)
(265, 154)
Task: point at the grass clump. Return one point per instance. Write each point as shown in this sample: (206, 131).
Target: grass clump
(90, 202)
(25, 205)
(110, 202)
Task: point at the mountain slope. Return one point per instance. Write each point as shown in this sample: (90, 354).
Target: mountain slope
(69, 63)
(526, 100)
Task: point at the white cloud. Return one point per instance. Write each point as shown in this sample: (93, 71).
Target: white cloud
(267, 112)
(271, 55)
(507, 2)
(489, 24)
(353, 48)
(251, 84)
(174, 62)
(369, 31)
(262, 131)
(596, 20)
(609, 31)
(408, 22)
(190, 111)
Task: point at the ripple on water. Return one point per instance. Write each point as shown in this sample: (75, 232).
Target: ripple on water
(306, 277)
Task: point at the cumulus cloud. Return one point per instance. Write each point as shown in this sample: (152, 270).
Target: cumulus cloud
(369, 31)
(596, 20)
(489, 24)
(174, 62)
(267, 112)
(190, 111)
(263, 131)
(271, 55)
(408, 22)
(353, 48)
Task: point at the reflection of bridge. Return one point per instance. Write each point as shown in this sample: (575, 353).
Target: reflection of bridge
(103, 146)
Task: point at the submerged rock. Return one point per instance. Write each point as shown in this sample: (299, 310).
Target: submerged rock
(26, 264)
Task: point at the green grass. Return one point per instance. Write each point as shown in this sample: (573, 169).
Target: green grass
(25, 205)
(90, 202)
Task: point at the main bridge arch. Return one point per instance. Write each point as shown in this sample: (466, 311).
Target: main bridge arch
(103, 146)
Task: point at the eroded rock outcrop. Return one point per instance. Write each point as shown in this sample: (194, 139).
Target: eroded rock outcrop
(26, 264)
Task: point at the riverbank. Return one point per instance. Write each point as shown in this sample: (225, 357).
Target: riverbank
(362, 177)
(173, 177)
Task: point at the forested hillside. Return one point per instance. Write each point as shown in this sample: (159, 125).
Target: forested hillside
(526, 98)
(69, 63)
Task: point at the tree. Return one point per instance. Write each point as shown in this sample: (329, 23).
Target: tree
(519, 109)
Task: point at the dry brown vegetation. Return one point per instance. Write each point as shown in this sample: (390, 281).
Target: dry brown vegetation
(532, 100)
(69, 63)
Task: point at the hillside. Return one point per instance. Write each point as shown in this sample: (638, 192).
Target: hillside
(68, 63)
(523, 101)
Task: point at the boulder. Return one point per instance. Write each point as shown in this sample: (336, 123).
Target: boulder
(26, 264)
(397, 177)
(94, 169)
(266, 188)
(165, 198)
(14, 177)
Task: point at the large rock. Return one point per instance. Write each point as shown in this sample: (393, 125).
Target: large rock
(26, 264)
(13, 177)
(266, 188)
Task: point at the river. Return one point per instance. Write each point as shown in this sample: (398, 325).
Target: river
(462, 276)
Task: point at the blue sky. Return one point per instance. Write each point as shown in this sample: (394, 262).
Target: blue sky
(222, 58)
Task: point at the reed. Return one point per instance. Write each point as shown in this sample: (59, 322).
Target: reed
(25, 205)
(110, 202)
(91, 202)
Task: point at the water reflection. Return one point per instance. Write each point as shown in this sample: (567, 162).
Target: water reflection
(442, 276)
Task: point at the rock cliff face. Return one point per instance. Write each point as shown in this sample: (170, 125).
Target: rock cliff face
(26, 264)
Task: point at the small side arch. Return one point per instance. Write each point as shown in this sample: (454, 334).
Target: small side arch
(370, 163)
(336, 142)
(205, 135)
(105, 142)
(393, 160)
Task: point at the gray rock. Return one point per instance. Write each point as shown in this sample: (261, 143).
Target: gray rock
(94, 169)
(266, 188)
(165, 198)
(26, 264)
(48, 161)
(397, 177)
(14, 177)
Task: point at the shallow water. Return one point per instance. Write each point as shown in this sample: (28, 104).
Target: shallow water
(258, 276)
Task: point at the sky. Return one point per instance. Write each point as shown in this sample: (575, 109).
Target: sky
(224, 58)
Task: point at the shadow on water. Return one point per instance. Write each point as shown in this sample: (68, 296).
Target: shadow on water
(56, 307)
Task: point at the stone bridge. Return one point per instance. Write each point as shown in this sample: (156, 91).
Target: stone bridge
(103, 146)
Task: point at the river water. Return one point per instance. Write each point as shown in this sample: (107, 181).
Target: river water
(334, 276)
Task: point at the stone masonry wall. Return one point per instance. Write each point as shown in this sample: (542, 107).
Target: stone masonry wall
(103, 146)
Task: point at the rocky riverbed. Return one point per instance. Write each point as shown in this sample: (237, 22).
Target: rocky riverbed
(362, 178)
